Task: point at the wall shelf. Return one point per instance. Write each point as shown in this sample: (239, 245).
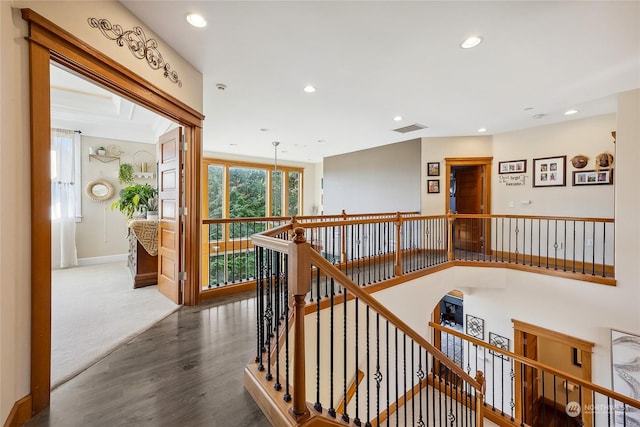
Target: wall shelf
(105, 158)
(146, 175)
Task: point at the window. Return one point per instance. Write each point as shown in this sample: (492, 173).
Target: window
(66, 171)
(243, 190)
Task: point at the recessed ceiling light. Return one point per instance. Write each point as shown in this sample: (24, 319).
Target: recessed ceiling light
(539, 116)
(472, 41)
(321, 140)
(264, 130)
(482, 130)
(196, 20)
(570, 112)
(397, 118)
(309, 89)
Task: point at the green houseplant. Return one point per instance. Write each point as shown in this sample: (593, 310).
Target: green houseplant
(125, 174)
(136, 199)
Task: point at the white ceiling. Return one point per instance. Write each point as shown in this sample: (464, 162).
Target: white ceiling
(373, 60)
(80, 105)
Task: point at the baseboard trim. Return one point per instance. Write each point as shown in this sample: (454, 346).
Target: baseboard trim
(102, 259)
(20, 412)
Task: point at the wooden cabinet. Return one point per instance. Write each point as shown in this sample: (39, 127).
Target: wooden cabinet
(143, 267)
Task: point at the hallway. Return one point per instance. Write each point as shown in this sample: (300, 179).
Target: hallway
(187, 370)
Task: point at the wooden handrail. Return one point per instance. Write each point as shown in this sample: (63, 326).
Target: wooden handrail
(331, 271)
(268, 242)
(371, 218)
(553, 218)
(541, 366)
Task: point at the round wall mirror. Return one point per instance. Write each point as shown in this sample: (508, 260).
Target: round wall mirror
(99, 190)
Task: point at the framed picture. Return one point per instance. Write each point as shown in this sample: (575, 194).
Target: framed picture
(549, 171)
(433, 169)
(592, 177)
(433, 186)
(625, 353)
(512, 166)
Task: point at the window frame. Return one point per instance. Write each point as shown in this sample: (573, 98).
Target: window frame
(227, 164)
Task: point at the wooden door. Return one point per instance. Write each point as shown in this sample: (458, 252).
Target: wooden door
(170, 230)
(469, 234)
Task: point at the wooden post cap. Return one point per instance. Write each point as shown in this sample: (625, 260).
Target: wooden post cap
(299, 235)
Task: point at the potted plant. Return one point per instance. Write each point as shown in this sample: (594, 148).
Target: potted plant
(135, 200)
(101, 151)
(152, 208)
(125, 173)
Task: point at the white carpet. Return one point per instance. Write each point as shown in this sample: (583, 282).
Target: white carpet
(94, 310)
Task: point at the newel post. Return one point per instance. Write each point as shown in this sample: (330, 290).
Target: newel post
(450, 220)
(299, 285)
(480, 399)
(398, 266)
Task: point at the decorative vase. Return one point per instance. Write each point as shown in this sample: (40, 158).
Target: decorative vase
(152, 215)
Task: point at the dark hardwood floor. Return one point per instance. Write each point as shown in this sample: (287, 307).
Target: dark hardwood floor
(187, 370)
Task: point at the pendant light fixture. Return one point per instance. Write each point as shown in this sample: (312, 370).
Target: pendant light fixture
(275, 155)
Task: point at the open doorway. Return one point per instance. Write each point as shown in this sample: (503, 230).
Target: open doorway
(468, 186)
(48, 42)
(449, 312)
(538, 396)
(97, 300)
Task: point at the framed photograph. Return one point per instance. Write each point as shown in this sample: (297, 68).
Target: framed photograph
(592, 177)
(433, 186)
(433, 169)
(550, 171)
(512, 166)
(625, 353)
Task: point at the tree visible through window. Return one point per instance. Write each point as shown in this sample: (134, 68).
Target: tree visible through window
(244, 191)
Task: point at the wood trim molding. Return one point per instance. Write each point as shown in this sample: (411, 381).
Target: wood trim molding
(486, 179)
(553, 335)
(67, 49)
(20, 412)
(49, 42)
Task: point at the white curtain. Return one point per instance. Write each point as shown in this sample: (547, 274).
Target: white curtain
(63, 199)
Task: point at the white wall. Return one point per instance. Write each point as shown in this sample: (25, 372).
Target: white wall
(590, 137)
(310, 176)
(381, 179)
(103, 231)
(15, 190)
(15, 245)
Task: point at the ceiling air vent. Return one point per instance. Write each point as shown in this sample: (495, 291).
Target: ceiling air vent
(410, 128)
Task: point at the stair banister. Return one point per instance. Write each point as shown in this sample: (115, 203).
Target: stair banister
(357, 292)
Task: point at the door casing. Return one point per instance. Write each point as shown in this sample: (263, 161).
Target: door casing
(481, 162)
(48, 42)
